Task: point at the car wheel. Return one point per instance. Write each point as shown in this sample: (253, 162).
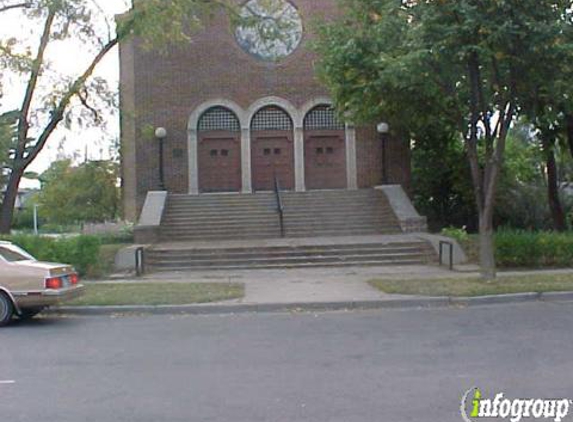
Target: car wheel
(6, 309)
(29, 313)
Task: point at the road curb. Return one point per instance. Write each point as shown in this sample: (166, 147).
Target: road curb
(241, 308)
(495, 299)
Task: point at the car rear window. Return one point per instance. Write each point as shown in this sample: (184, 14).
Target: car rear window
(13, 254)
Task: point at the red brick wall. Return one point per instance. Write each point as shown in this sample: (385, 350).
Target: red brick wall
(163, 89)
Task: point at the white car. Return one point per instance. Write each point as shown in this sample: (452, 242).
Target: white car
(28, 286)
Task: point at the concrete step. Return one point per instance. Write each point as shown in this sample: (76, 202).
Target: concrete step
(204, 224)
(289, 222)
(206, 235)
(208, 231)
(343, 254)
(334, 193)
(310, 220)
(201, 201)
(194, 229)
(221, 214)
(221, 196)
(222, 208)
(340, 233)
(244, 253)
(285, 245)
(291, 260)
(314, 213)
(160, 268)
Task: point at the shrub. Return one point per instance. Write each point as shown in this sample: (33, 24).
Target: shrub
(125, 236)
(461, 235)
(80, 251)
(519, 248)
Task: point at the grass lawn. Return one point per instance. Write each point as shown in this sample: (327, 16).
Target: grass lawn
(477, 287)
(157, 293)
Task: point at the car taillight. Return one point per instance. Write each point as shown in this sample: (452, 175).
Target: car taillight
(53, 283)
(74, 279)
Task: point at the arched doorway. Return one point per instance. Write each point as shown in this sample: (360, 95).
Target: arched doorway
(324, 149)
(272, 148)
(219, 151)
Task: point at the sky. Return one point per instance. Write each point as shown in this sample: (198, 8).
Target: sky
(68, 58)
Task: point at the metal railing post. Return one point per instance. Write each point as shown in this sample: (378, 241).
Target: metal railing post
(280, 205)
(139, 261)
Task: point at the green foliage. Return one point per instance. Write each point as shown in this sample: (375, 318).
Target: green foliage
(533, 249)
(7, 132)
(408, 61)
(522, 194)
(24, 217)
(87, 193)
(50, 98)
(460, 235)
(125, 236)
(80, 251)
(160, 24)
(441, 182)
(466, 65)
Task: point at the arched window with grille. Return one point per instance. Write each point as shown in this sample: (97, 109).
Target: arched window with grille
(322, 117)
(271, 118)
(219, 118)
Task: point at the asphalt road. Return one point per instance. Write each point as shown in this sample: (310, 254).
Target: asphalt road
(393, 365)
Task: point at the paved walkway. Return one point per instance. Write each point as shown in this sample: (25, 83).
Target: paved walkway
(301, 285)
(316, 284)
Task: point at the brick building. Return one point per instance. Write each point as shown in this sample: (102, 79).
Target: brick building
(240, 108)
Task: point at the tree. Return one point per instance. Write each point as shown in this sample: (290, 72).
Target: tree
(156, 22)
(548, 107)
(440, 180)
(86, 193)
(7, 124)
(464, 63)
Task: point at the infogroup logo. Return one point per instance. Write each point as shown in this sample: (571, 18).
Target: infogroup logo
(474, 406)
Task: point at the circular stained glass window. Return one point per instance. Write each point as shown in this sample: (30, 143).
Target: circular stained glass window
(270, 29)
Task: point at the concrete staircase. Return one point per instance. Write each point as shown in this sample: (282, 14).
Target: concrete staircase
(335, 228)
(219, 217)
(305, 253)
(338, 213)
(307, 214)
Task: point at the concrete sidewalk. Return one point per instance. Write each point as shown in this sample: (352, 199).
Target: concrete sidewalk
(316, 290)
(309, 285)
(316, 285)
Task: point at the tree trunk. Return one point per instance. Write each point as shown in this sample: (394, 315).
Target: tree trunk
(569, 119)
(9, 201)
(486, 245)
(557, 214)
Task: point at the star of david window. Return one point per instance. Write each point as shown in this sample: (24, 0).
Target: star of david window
(270, 29)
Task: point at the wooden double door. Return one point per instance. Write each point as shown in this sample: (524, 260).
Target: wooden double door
(272, 154)
(219, 156)
(325, 159)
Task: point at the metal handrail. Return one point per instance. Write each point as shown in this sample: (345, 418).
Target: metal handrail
(140, 261)
(451, 248)
(280, 205)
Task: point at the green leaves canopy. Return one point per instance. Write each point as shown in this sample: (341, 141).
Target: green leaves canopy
(407, 61)
(87, 193)
(468, 65)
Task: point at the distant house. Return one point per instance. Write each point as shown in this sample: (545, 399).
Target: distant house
(22, 197)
